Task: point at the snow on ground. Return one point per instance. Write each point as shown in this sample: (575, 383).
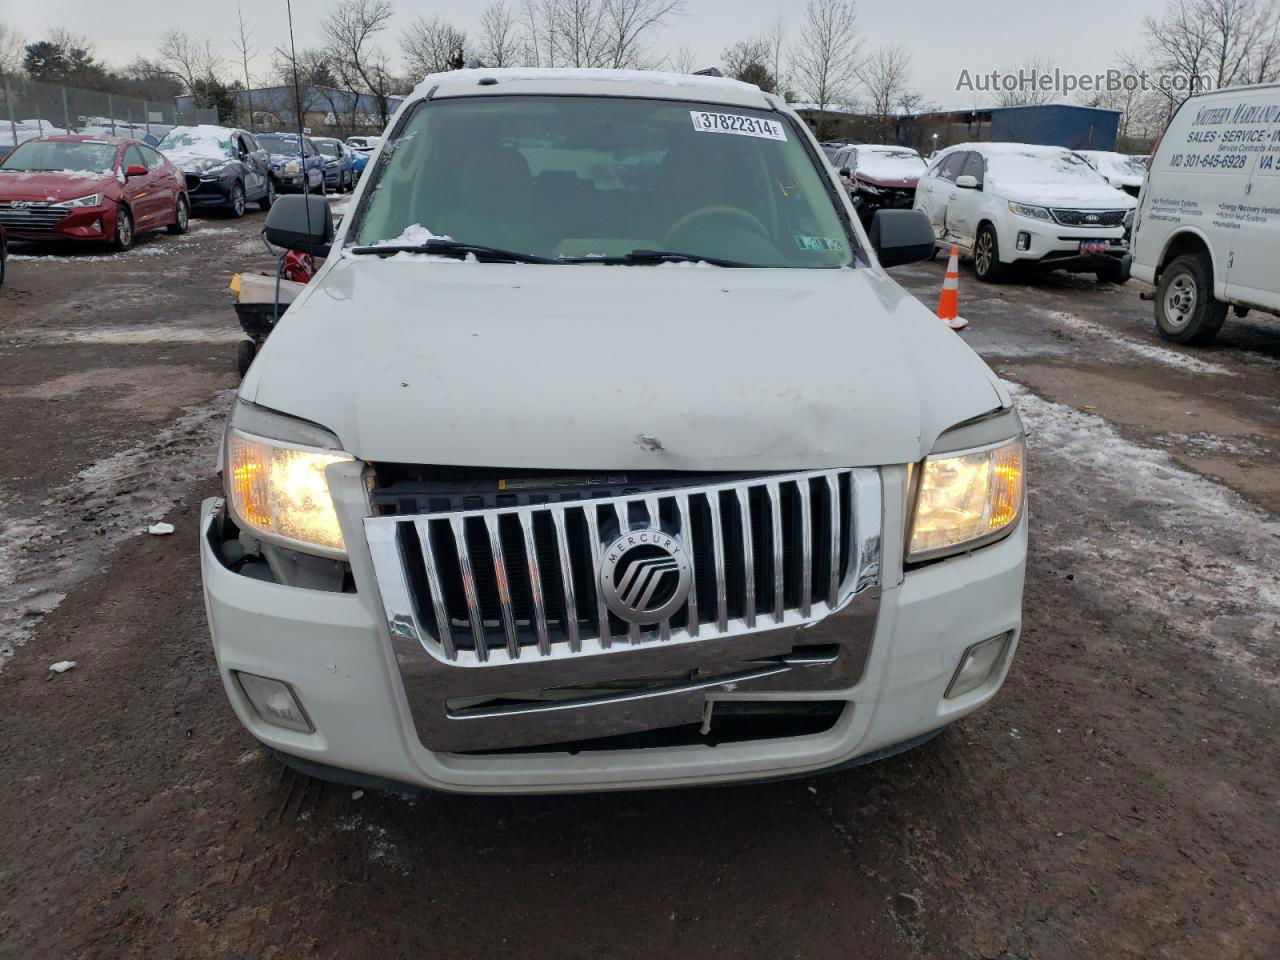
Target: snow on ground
(124, 336)
(82, 523)
(1187, 555)
(1167, 355)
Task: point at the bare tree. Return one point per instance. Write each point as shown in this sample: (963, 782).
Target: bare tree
(243, 43)
(433, 46)
(748, 61)
(11, 49)
(499, 45)
(188, 60)
(592, 33)
(886, 75)
(684, 60)
(361, 66)
(828, 55)
(1028, 92)
(776, 38)
(1213, 43)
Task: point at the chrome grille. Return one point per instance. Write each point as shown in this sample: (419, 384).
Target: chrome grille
(1081, 218)
(31, 218)
(501, 584)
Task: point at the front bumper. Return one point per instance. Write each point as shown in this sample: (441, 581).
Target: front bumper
(336, 652)
(209, 191)
(1056, 246)
(80, 223)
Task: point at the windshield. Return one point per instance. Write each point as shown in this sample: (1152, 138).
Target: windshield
(279, 144)
(327, 148)
(198, 142)
(69, 156)
(562, 177)
(1048, 166)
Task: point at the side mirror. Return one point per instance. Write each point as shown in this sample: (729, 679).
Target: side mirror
(967, 181)
(846, 172)
(303, 223)
(135, 170)
(901, 236)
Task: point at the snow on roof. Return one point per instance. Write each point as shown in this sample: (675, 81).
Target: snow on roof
(561, 74)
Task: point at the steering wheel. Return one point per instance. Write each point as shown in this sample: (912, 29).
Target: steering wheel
(747, 219)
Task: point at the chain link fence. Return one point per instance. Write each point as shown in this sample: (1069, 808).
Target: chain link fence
(33, 109)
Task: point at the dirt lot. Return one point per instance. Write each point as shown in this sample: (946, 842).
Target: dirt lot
(1119, 799)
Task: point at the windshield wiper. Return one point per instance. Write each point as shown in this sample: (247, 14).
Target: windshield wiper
(453, 248)
(641, 257)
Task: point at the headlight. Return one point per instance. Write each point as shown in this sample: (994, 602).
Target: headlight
(277, 489)
(92, 200)
(967, 499)
(1035, 213)
(1128, 217)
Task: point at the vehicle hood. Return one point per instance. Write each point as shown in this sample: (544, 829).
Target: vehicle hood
(1086, 196)
(53, 185)
(196, 161)
(417, 360)
(888, 171)
(905, 179)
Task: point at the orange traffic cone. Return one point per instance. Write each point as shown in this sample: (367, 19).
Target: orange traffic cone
(949, 303)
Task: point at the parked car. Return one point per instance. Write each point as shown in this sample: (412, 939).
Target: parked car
(1208, 228)
(339, 174)
(363, 149)
(831, 147)
(225, 168)
(95, 189)
(1010, 204)
(879, 177)
(714, 568)
(296, 165)
(1124, 171)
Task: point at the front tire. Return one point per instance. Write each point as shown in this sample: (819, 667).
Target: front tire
(269, 197)
(181, 218)
(124, 237)
(986, 256)
(236, 206)
(1186, 311)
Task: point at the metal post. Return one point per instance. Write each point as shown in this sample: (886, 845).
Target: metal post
(111, 113)
(146, 116)
(66, 113)
(13, 123)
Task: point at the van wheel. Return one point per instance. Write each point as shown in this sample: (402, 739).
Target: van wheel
(1186, 311)
(986, 256)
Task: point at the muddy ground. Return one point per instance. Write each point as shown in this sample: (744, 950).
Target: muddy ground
(1119, 799)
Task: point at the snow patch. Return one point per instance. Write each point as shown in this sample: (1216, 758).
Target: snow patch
(1147, 351)
(82, 523)
(1186, 554)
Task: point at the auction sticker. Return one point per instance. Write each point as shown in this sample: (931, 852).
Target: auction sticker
(738, 124)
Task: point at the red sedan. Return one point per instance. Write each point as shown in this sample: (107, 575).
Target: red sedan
(100, 189)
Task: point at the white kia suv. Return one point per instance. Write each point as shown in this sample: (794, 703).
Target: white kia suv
(1012, 204)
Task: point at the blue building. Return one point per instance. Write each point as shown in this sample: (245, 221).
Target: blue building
(1052, 124)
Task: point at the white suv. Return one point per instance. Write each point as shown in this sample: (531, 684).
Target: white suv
(592, 460)
(1014, 203)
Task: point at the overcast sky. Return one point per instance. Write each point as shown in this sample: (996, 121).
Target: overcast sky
(945, 36)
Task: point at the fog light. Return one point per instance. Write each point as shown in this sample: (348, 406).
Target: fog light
(1024, 240)
(976, 666)
(275, 702)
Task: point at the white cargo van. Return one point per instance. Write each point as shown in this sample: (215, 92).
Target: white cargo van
(1208, 225)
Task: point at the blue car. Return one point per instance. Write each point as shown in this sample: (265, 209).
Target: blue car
(362, 150)
(339, 170)
(293, 169)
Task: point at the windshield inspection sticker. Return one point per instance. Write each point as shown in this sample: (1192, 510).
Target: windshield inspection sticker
(817, 244)
(735, 123)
